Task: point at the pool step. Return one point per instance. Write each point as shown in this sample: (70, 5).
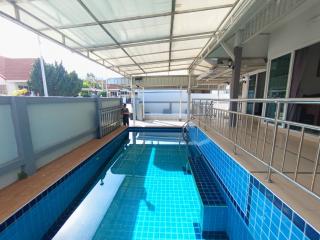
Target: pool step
(209, 235)
(214, 235)
(214, 207)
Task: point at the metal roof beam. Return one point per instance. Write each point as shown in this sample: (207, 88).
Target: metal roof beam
(173, 8)
(146, 54)
(106, 31)
(155, 62)
(177, 38)
(63, 36)
(199, 58)
(157, 71)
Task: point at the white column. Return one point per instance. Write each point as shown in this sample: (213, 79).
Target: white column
(143, 103)
(189, 97)
(43, 73)
(180, 104)
(106, 87)
(133, 102)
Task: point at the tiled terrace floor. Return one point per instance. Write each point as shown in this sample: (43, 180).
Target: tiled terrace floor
(305, 204)
(16, 195)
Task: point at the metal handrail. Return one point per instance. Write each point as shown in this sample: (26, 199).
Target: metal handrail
(230, 124)
(264, 100)
(183, 129)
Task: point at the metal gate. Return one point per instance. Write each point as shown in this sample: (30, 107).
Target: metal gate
(109, 119)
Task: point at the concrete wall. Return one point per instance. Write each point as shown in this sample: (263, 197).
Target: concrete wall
(158, 102)
(36, 130)
(296, 33)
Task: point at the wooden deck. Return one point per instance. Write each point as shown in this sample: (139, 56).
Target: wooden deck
(16, 195)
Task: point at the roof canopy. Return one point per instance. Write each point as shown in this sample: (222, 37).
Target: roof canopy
(131, 37)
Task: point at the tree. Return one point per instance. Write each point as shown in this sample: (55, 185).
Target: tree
(91, 81)
(59, 81)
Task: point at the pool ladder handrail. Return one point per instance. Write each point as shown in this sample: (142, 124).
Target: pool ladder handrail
(184, 126)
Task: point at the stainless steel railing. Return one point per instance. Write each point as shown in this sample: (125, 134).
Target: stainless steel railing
(288, 148)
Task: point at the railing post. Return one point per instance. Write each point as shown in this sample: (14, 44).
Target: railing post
(23, 134)
(98, 117)
(236, 137)
(180, 104)
(299, 154)
(189, 97)
(315, 169)
(274, 140)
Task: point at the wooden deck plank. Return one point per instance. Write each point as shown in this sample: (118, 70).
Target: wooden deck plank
(16, 195)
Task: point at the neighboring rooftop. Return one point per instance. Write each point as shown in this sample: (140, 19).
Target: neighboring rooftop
(15, 68)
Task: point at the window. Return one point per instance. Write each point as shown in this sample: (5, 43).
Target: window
(278, 80)
(3, 90)
(305, 83)
(251, 92)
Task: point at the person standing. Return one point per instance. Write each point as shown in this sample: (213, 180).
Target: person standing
(125, 115)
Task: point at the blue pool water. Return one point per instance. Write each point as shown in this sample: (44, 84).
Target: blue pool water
(139, 186)
(154, 197)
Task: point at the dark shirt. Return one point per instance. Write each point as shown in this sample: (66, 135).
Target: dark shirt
(125, 111)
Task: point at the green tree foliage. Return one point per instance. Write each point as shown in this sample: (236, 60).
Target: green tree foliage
(59, 81)
(91, 82)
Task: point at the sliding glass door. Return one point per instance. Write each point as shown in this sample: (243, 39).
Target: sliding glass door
(256, 90)
(251, 92)
(278, 80)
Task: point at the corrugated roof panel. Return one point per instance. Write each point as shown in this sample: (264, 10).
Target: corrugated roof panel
(116, 9)
(112, 53)
(149, 48)
(185, 54)
(88, 36)
(121, 61)
(182, 5)
(152, 57)
(139, 30)
(194, 43)
(140, 27)
(57, 12)
(198, 22)
(154, 65)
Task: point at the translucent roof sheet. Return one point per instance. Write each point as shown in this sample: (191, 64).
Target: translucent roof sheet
(185, 54)
(88, 36)
(152, 57)
(116, 9)
(126, 34)
(154, 65)
(57, 12)
(195, 43)
(148, 48)
(198, 22)
(121, 61)
(112, 53)
(138, 30)
(192, 4)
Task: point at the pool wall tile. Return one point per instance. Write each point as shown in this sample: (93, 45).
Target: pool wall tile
(264, 214)
(214, 218)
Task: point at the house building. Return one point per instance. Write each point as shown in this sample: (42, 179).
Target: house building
(14, 74)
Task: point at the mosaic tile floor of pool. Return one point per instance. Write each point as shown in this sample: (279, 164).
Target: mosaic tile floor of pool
(156, 200)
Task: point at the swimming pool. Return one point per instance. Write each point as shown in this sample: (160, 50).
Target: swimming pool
(147, 183)
(144, 193)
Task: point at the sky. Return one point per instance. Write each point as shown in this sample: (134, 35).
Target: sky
(18, 42)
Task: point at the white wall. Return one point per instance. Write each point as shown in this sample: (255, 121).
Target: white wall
(57, 126)
(163, 97)
(299, 32)
(8, 143)
(2, 80)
